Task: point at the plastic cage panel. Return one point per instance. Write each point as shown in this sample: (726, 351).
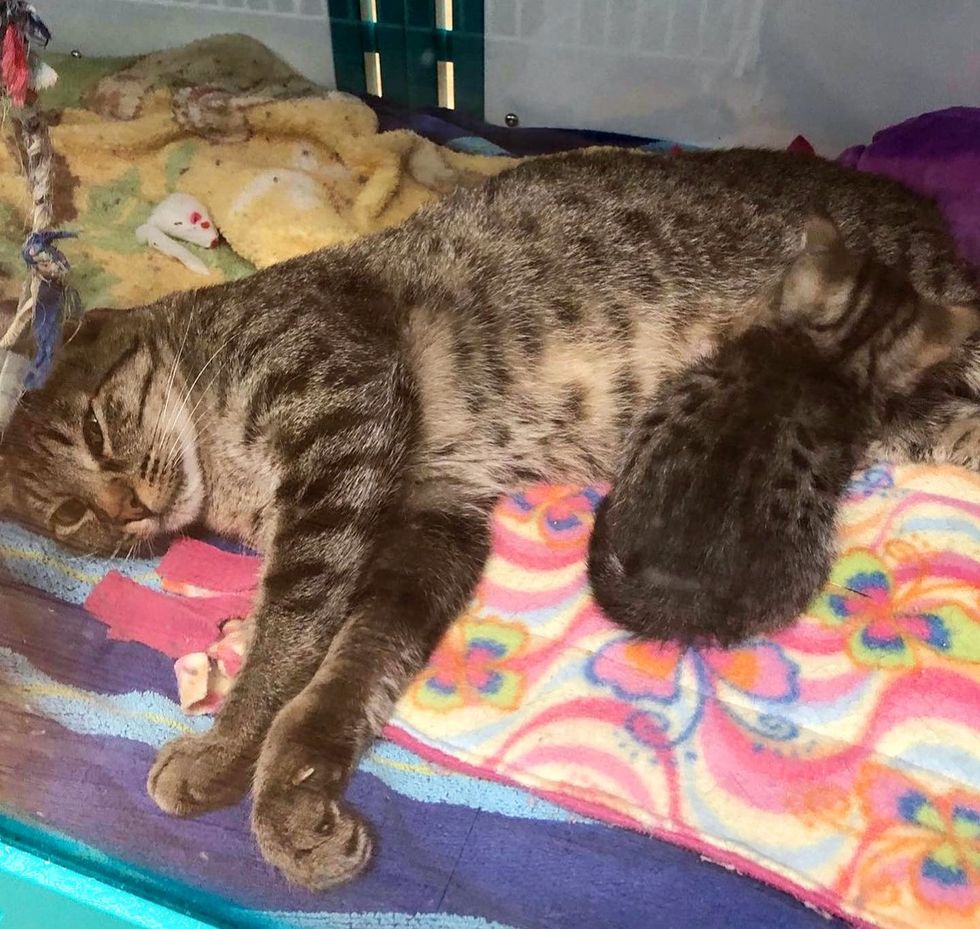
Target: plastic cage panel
(297, 30)
(720, 72)
(419, 53)
(309, 9)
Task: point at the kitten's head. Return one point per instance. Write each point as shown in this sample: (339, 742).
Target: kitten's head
(867, 316)
(104, 457)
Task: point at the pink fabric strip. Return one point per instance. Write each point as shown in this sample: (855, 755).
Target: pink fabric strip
(202, 565)
(172, 625)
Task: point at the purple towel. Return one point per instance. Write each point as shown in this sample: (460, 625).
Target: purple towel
(937, 154)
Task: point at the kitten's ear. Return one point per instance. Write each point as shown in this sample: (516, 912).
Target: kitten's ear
(805, 282)
(964, 321)
(821, 236)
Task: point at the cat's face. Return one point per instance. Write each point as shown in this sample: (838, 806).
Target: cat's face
(104, 457)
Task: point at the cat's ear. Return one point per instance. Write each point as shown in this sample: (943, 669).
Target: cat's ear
(6, 487)
(821, 236)
(89, 326)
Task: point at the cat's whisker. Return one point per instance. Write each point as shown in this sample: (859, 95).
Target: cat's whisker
(850, 590)
(189, 392)
(91, 553)
(173, 374)
(191, 422)
(205, 366)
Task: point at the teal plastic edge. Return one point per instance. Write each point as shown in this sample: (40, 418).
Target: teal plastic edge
(87, 891)
(77, 858)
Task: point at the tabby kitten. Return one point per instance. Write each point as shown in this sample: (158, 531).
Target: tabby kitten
(721, 523)
(355, 413)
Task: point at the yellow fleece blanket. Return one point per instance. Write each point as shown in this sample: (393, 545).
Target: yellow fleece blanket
(281, 175)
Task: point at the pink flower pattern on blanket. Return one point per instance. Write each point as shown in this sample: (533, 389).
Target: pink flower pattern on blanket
(652, 675)
(839, 760)
(925, 844)
(892, 619)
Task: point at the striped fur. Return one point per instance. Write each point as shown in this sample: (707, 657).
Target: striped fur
(721, 523)
(355, 412)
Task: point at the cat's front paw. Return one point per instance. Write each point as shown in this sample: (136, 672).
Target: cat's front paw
(198, 773)
(314, 840)
(302, 827)
(959, 443)
(299, 820)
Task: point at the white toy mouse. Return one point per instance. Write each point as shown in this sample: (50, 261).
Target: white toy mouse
(180, 216)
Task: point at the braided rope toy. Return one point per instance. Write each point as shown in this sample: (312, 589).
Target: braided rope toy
(27, 347)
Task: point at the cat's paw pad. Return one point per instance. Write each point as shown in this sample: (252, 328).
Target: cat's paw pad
(959, 443)
(198, 773)
(303, 830)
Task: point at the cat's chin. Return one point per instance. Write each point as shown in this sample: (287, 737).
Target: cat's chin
(183, 512)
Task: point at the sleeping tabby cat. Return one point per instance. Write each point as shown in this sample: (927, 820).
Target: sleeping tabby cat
(722, 521)
(354, 413)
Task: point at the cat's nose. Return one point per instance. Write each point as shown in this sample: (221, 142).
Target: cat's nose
(123, 504)
(135, 509)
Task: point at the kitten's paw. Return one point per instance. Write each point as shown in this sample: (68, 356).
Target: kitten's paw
(301, 827)
(198, 773)
(959, 443)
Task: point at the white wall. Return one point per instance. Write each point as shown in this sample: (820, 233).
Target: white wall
(718, 72)
(297, 30)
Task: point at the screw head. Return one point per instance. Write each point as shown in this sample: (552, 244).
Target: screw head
(511, 120)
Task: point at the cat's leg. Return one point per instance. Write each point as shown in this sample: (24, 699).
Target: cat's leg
(320, 550)
(422, 577)
(942, 424)
(342, 472)
(948, 434)
(196, 773)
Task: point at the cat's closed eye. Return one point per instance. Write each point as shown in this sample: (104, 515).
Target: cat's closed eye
(69, 514)
(93, 435)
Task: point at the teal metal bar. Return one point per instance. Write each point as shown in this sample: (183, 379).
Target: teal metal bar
(420, 53)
